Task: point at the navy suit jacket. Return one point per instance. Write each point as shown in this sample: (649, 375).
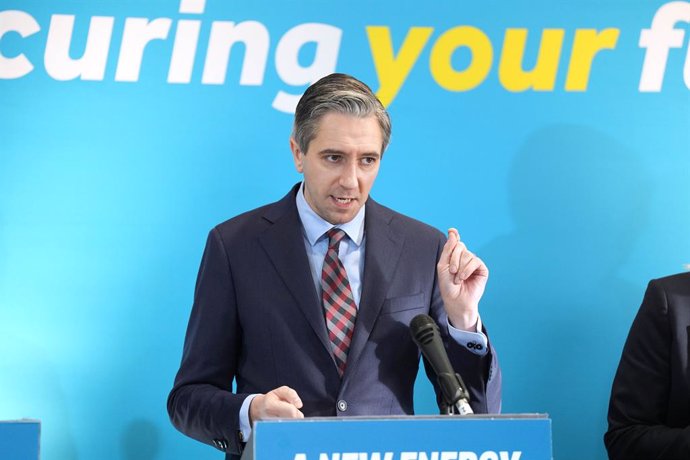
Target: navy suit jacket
(257, 319)
(649, 411)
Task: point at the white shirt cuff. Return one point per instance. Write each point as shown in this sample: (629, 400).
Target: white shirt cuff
(245, 426)
(476, 342)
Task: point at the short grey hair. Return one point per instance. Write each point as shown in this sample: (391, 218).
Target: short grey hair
(339, 93)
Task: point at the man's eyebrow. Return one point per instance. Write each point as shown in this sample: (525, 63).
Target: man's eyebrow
(330, 151)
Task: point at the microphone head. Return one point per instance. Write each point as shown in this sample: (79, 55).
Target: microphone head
(423, 328)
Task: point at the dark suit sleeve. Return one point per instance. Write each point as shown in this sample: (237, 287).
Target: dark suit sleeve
(481, 374)
(638, 409)
(201, 403)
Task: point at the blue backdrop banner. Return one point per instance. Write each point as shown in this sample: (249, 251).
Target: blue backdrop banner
(555, 135)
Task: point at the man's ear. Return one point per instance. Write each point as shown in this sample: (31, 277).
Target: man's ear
(296, 154)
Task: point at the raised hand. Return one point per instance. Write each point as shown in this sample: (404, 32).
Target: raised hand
(462, 277)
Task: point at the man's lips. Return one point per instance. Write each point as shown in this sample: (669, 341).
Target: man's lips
(343, 201)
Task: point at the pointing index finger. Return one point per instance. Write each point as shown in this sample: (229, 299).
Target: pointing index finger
(454, 231)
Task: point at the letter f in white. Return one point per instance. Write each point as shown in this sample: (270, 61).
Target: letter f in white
(658, 39)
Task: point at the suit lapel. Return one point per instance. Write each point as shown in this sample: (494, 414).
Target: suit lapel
(284, 245)
(383, 248)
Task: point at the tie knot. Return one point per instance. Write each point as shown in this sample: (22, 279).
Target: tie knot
(335, 235)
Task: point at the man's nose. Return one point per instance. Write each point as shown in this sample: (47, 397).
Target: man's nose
(348, 176)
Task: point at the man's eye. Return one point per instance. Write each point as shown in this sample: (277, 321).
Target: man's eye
(332, 158)
(368, 160)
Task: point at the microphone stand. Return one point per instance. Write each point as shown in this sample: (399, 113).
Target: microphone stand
(455, 397)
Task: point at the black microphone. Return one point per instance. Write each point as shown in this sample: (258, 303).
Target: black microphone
(427, 336)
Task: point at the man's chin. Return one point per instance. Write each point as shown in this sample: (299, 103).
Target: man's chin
(340, 217)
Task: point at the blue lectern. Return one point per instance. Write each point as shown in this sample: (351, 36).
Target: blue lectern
(474, 437)
(20, 439)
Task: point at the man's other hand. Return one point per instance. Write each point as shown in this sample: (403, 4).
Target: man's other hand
(462, 277)
(283, 402)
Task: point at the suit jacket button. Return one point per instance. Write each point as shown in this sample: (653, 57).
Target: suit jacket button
(342, 405)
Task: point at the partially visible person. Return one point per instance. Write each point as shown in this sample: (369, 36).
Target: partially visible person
(649, 410)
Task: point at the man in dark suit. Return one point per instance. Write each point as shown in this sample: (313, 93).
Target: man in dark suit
(306, 302)
(649, 411)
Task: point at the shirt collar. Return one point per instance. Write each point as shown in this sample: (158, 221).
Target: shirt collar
(315, 226)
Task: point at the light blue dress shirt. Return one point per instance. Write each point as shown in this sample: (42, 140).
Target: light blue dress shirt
(351, 253)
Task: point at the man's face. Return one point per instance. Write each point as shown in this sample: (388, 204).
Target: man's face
(340, 165)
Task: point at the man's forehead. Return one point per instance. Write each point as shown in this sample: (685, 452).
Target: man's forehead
(336, 123)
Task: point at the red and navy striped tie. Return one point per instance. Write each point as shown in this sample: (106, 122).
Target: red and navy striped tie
(338, 304)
